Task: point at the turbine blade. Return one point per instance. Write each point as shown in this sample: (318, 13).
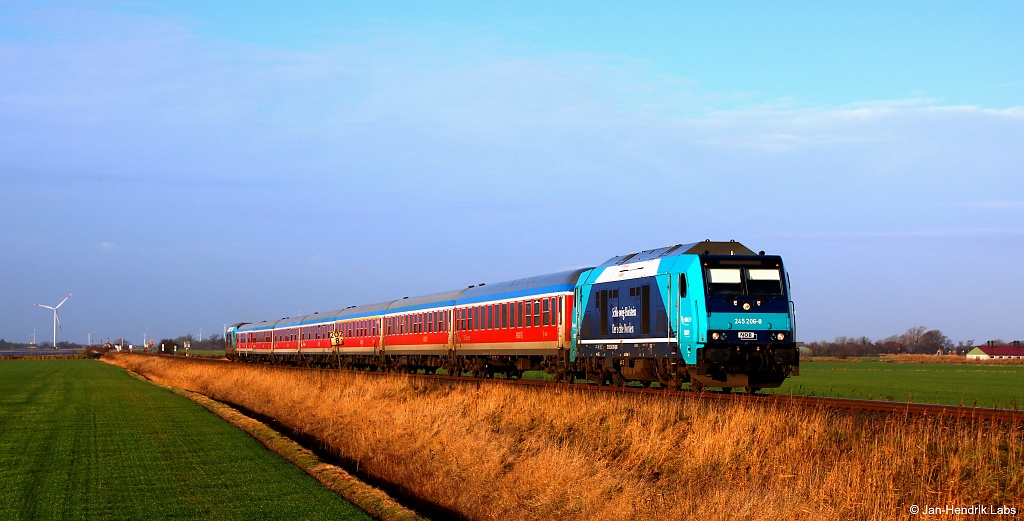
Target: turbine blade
(63, 301)
(44, 306)
(57, 317)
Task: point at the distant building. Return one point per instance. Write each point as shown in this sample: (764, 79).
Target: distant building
(993, 352)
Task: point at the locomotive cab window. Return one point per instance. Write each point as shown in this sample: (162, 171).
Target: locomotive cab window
(724, 281)
(751, 278)
(764, 281)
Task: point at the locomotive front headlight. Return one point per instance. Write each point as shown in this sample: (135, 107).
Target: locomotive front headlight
(714, 336)
(780, 336)
(746, 306)
(735, 302)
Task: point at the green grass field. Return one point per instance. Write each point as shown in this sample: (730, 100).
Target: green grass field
(954, 384)
(80, 439)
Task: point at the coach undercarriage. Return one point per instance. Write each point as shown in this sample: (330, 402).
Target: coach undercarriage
(725, 367)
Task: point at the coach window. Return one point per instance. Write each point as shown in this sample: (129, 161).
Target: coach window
(490, 317)
(519, 313)
(529, 313)
(547, 312)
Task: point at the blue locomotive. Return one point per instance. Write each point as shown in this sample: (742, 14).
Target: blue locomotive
(709, 313)
(713, 314)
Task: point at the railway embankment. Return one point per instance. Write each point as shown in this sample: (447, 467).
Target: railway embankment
(485, 450)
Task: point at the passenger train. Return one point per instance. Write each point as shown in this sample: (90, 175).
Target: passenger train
(711, 314)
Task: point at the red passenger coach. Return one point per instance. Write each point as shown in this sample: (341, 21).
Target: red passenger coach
(525, 317)
(506, 327)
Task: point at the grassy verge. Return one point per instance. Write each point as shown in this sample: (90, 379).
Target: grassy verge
(366, 497)
(490, 451)
(984, 385)
(80, 439)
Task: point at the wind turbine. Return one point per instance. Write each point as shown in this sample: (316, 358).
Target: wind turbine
(56, 319)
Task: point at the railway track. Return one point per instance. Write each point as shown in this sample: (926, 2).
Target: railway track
(907, 408)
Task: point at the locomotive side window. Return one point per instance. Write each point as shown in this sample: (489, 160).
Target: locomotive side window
(682, 285)
(645, 309)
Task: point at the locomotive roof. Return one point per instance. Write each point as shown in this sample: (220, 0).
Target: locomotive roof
(561, 281)
(693, 248)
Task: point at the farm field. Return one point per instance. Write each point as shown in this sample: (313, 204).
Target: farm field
(80, 439)
(984, 385)
(487, 450)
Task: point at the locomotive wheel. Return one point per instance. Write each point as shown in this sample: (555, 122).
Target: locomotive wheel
(752, 390)
(697, 387)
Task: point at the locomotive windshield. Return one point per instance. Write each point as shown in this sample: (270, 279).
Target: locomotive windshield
(728, 278)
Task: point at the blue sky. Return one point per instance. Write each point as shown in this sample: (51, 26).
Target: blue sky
(179, 166)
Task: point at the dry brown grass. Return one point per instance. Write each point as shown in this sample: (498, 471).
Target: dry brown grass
(947, 359)
(492, 451)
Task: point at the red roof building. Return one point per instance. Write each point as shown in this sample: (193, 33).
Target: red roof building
(990, 352)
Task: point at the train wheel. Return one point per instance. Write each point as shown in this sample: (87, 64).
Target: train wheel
(696, 386)
(752, 390)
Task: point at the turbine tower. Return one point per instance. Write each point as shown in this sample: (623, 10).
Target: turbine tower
(56, 319)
